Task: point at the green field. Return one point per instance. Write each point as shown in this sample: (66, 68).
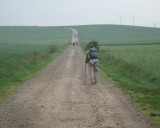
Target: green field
(118, 34)
(25, 50)
(130, 57)
(34, 35)
(144, 56)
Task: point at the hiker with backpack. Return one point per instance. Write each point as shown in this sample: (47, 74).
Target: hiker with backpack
(92, 60)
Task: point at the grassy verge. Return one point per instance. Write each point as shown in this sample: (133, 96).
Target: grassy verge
(19, 68)
(140, 83)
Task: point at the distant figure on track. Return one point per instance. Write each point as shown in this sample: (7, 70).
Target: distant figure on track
(92, 60)
(73, 44)
(76, 43)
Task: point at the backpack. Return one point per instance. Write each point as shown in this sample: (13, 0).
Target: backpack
(93, 53)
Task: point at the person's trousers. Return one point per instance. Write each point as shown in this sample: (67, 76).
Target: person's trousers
(93, 69)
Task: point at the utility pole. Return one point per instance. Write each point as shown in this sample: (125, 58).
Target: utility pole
(133, 21)
(155, 23)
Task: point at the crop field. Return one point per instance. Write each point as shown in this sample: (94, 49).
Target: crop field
(130, 57)
(34, 35)
(144, 56)
(118, 34)
(140, 63)
(25, 50)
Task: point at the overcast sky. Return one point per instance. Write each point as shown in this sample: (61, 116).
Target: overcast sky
(79, 12)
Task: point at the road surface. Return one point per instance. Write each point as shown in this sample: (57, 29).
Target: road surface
(58, 98)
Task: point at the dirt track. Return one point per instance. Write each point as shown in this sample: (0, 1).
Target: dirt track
(58, 98)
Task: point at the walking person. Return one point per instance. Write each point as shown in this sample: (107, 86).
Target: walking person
(92, 60)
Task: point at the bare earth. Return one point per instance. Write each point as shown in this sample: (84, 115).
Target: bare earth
(58, 98)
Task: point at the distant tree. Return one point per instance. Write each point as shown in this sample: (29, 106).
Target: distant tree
(95, 43)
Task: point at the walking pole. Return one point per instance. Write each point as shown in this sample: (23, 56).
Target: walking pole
(85, 75)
